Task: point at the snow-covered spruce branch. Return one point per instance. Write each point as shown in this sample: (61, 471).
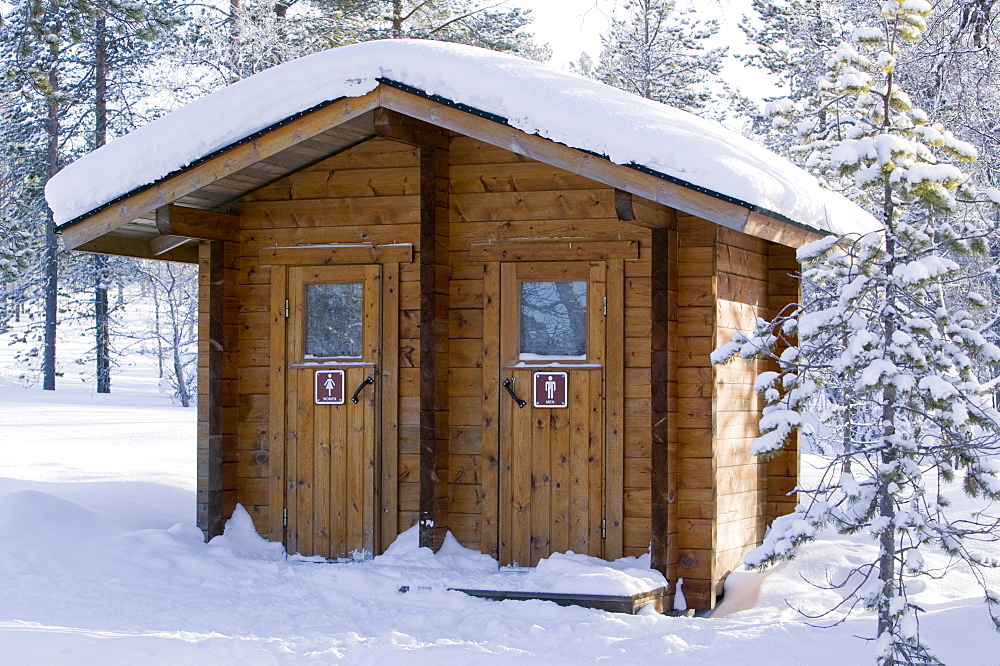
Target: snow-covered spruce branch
(880, 365)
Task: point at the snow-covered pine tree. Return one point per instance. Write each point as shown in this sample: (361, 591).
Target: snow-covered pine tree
(661, 52)
(20, 188)
(954, 74)
(124, 39)
(792, 41)
(49, 94)
(223, 42)
(230, 40)
(879, 341)
(34, 39)
(484, 23)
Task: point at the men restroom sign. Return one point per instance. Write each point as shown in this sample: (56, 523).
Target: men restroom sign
(551, 389)
(329, 387)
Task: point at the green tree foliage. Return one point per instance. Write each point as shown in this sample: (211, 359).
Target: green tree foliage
(883, 366)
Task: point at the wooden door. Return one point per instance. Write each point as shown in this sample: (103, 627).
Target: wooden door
(333, 386)
(551, 450)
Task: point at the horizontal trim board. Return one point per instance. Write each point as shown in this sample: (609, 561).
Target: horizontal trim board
(554, 251)
(332, 255)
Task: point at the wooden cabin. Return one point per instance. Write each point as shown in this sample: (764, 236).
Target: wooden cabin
(414, 312)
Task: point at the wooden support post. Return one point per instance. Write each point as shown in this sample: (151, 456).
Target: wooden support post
(210, 413)
(434, 219)
(662, 497)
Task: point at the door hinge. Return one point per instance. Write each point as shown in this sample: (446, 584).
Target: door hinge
(605, 306)
(284, 517)
(286, 308)
(604, 529)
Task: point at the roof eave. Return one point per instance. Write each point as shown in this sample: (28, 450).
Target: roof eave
(700, 201)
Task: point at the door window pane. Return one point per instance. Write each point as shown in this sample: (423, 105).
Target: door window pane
(333, 320)
(554, 319)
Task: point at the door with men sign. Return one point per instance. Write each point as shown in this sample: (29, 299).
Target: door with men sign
(552, 347)
(332, 349)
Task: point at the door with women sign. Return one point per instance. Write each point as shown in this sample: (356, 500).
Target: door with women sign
(552, 349)
(332, 393)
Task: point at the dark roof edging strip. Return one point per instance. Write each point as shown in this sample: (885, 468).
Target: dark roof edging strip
(444, 101)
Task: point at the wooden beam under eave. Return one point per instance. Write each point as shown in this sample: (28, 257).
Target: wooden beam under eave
(590, 166)
(228, 163)
(779, 231)
(633, 209)
(399, 127)
(139, 248)
(162, 244)
(197, 223)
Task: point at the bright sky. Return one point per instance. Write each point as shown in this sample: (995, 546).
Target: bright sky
(573, 26)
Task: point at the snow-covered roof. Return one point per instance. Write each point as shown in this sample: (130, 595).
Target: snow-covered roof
(532, 97)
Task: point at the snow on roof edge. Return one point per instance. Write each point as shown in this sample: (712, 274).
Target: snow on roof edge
(205, 158)
(565, 108)
(441, 100)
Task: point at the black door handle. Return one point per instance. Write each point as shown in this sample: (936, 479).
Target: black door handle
(509, 385)
(369, 380)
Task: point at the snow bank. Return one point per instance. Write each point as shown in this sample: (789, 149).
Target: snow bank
(533, 97)
(240, 538)
(457, 567)
(96, 572)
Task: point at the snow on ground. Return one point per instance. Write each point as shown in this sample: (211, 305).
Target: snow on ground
(100, 562)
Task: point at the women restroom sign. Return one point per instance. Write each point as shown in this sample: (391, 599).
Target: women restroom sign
(329, 387)
(551, 389)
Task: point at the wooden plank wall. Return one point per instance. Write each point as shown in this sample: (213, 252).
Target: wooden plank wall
(218, 416)
(498, 195)
(370, 194)
(366, 194)
(783, 469)
(740, 477)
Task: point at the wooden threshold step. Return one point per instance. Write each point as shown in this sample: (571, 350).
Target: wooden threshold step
(630, 604)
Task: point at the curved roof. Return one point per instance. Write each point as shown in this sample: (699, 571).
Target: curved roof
(530, 96)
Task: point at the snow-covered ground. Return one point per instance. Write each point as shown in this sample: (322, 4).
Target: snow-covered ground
(100, 562)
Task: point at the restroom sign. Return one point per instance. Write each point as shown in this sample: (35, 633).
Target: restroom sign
(551, 389)
(329, 387)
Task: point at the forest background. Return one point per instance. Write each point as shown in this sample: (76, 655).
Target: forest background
(78, 73)
(892, 102)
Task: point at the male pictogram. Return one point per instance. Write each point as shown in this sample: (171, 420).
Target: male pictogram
(551, 389)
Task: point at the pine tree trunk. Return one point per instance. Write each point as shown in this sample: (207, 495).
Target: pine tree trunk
(102, 328)
(50, 250)
(101, 324)
(886, 499)
(234, 41)
(397, 18)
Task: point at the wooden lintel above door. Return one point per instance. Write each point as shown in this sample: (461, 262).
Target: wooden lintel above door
(332, 255)
(554, 251)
